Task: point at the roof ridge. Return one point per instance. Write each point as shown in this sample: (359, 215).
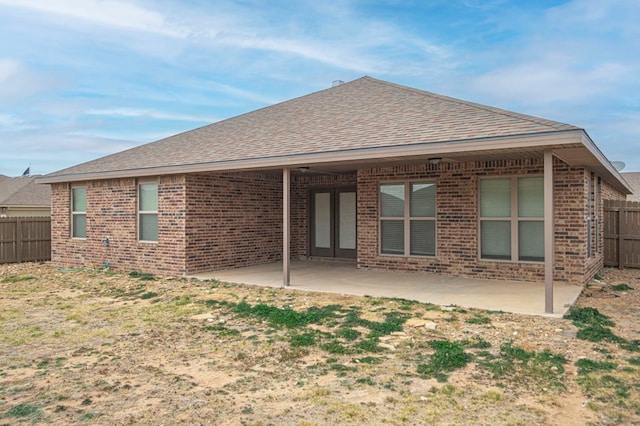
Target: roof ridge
(526, 117)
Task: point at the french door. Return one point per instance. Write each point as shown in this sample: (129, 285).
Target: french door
(332, 222)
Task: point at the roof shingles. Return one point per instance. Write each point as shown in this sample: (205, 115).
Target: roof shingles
(364, 113)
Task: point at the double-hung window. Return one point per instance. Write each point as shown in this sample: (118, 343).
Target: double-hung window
(512, 219)
(79, 212)
(408, 218)
(148, 211)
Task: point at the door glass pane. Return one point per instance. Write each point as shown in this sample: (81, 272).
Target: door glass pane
(392, 200)
(322, 216)
(423, 237)
(531, 240)
(149, 227)
(347, 218)
(423, 199)
(531, 197)
(495, 197)
(392, 236)
(495, 239)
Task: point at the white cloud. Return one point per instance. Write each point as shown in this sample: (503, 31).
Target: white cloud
(113, 13)
(149, 113)
(549, 80)
(8, 68)
(18, 82)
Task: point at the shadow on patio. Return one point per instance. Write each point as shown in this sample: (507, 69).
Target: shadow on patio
(345, 278)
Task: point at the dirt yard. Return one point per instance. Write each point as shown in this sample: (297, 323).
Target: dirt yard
(94, 346)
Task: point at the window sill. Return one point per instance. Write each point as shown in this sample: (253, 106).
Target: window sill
(533, 262)
(410, 256)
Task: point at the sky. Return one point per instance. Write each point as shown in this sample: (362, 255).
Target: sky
(80, 79)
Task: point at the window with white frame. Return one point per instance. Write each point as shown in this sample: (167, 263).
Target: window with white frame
(408, 218)
(512, 219)
(148, 211)
(79, 212)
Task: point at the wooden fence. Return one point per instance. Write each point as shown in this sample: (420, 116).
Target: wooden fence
(25, 239)
(622, 234)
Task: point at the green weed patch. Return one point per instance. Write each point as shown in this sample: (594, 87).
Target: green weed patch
(588, 366)
(517, 365)
(588, 316)
(621, 287)
(448, 356)
(598, 333)
(17, 278)
(24, 411)
(287, 317)
(478, 319)
(142, 276)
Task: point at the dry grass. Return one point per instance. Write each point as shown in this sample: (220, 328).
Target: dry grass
(98, 347)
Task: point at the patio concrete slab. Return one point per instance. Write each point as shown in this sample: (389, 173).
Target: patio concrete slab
(345, 278)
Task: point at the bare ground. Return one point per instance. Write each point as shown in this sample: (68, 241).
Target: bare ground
(101, 347)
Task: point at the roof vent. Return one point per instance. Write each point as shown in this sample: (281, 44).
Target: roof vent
(337, 83)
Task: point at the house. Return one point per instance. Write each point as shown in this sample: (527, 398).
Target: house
(389, 176)
(633, 179)
(22, 196)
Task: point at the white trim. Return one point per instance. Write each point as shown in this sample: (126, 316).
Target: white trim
(140, 213)
(78, 213)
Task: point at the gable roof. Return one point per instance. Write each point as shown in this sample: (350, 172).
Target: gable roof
(23, 191)
(362, 118)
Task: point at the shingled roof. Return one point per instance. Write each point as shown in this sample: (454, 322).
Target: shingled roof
(362, 114)
(633, 178)
(23, 191)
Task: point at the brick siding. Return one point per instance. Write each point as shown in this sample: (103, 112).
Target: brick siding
(112, 213)
(211, 221)
(233, 220)
(457, 221)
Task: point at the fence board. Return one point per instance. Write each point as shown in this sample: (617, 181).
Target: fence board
(622, 233)
(25, 239)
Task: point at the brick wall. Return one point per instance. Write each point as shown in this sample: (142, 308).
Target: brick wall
(224, 220)
(457, 220)
(233, 220)
(112, 213)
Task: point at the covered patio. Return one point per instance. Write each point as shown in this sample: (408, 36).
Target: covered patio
(344, 278)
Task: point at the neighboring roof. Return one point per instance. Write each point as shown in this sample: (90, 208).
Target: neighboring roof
(23, 191)
(363, 115)
(633, 179)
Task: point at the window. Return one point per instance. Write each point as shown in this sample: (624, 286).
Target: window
(512, 219)
(79, 212)
(408, 218)
(148, 212)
